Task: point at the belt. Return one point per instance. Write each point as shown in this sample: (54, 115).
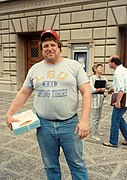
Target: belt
(56, 120)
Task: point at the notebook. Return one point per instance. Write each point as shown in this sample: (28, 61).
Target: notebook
(100, 84)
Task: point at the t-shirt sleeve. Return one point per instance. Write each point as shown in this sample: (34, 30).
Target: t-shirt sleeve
(28, 81)
(82, 77)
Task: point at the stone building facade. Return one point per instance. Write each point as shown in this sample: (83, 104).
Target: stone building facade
(91, 31)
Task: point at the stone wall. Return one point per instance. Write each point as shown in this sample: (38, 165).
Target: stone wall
(91, 22)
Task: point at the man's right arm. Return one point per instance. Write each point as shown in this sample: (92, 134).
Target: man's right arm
(17, 103)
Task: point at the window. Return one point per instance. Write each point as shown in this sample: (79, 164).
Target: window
(34, 52)
(81, 55)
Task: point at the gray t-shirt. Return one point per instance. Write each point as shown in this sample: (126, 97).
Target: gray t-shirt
(56, 88)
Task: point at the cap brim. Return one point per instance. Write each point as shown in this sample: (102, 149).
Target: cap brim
(47, 35)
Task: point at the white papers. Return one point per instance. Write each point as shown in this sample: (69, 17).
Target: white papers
(27, 120)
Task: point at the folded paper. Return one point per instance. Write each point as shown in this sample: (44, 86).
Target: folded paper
(26, 120)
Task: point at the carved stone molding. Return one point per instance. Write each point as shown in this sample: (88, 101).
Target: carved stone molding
(32, 4)
(32, 24)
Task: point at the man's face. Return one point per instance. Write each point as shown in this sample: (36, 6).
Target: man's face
(111, 64)
(51, 51)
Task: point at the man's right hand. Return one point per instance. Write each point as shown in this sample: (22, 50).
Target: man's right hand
(9, 120)
(111, 90)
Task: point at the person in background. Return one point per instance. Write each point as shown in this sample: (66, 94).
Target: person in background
(97, 100)
(56, 82)
(120, 87)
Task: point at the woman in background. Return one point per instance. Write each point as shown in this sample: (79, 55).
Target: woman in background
(97, 99)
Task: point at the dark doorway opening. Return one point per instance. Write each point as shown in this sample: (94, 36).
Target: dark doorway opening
(123, 47)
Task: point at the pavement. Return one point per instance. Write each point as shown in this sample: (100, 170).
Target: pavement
(20, 157)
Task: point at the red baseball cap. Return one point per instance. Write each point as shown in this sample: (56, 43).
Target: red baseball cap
(49, 33)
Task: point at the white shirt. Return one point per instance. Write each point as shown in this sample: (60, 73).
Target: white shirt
(120, 79)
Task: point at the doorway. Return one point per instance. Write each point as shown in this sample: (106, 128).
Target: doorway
(29, 53)
(34, 54)
(123, 47)
(32, 51)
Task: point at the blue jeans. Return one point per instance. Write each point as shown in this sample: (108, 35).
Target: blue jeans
(55, 134)
(118, 122)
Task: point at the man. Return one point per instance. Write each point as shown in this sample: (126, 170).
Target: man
(120, 87)
(56, 82)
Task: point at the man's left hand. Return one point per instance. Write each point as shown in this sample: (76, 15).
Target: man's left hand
(82, 129)
(117, 105)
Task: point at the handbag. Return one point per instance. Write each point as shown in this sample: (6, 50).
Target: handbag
(114, 98)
